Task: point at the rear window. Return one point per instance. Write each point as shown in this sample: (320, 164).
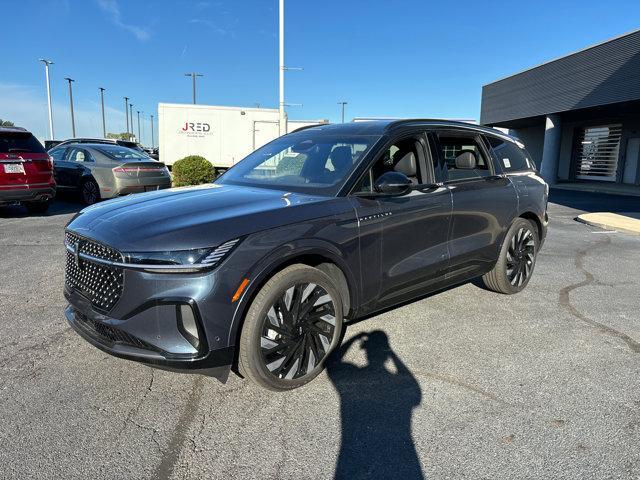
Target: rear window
(121, 153)
(19, 142)
(510, 156)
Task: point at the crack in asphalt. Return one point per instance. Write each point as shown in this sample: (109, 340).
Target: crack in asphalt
(179, 435)
(589, 279)
(134, 411)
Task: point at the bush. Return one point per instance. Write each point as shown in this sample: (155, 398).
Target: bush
(192, 170)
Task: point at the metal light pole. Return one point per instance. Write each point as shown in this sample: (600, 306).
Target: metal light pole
(193, 76)
(282, 124)
(126, 111)
(46, 72)
(343, 104)
(139, 136)
(73, 120)
(104, 123)
(153, 144)
(131, 112)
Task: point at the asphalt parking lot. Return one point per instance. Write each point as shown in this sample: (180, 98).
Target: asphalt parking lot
(462, 384)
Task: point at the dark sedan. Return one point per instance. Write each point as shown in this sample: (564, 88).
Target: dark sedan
(260, 270)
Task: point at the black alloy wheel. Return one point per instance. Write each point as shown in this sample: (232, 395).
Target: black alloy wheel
(90, 192)
(520, 256)
(297, 331)
(292, 325)
(517, 259)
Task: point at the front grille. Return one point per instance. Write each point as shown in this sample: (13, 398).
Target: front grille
(100, 284)
(111, 334)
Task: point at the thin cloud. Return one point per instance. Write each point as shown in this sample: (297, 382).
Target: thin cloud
(209, 24)
(112, 9)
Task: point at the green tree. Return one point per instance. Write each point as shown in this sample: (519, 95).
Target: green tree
(6, 123)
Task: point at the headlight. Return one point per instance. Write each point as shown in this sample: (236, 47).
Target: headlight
(180, 260)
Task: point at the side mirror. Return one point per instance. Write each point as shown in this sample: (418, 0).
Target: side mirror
(393, 183)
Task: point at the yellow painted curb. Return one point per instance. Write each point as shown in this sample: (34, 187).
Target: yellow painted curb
(611, 221)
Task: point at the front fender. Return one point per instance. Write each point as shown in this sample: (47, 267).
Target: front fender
(279, 257)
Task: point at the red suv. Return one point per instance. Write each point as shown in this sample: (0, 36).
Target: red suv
(26, 171)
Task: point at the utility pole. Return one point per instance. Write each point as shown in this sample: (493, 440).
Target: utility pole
(104, 123)
(343, 104)
(73, 120)
(131, 112)
(282, 124)
(193, 76)
(153, 144)
(46, 72)
(139, 136)
(126, 112)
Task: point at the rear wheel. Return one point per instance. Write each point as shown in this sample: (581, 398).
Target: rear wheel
(517, 259)
(38, 207)
(292, 325)
(89, 192)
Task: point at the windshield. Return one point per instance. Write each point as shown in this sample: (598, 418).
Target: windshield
(309, 161)
(121, 153)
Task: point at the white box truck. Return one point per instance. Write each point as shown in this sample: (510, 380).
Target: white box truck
(222, 135)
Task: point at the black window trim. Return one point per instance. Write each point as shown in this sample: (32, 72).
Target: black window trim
(468, 133)
(426, 167)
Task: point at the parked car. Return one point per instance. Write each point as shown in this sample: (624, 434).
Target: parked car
(26, 172)
(153, 153)
(100, 171)
(107, 141)
(260, 270)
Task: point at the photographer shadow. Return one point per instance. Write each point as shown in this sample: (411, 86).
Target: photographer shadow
(376, 405)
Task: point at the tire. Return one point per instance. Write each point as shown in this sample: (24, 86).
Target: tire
(517, 259)
(294, 354)
(38, 207)
(89, 192)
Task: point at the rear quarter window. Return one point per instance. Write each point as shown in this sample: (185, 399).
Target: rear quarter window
(510, 156)
(19, 142)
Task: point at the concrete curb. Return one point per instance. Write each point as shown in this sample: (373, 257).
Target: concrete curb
(611, 221)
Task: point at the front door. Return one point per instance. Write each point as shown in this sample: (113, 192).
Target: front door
(412, 228)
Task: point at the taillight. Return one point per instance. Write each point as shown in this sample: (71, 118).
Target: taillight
(138, 169)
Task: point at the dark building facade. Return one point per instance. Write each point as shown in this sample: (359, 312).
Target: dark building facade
(578, 115)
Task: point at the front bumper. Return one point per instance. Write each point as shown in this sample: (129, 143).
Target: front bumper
(150, 335)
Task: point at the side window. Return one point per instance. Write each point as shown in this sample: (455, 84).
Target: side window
(463, 157)
(402, 156)
(58, 154)
(511, 157)
(79, 155)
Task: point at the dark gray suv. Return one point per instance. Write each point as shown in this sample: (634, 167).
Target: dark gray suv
(259, 271)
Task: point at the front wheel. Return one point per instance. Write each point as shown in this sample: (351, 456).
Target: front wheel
(292, 325)
(517, 259)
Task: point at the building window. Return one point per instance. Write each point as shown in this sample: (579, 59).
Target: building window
(597, 153)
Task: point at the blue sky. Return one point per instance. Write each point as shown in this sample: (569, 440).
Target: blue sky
(400, 58)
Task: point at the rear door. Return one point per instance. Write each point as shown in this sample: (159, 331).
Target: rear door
(24, 163)
(484, 201)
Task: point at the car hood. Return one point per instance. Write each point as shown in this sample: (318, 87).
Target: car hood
(194, 217)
